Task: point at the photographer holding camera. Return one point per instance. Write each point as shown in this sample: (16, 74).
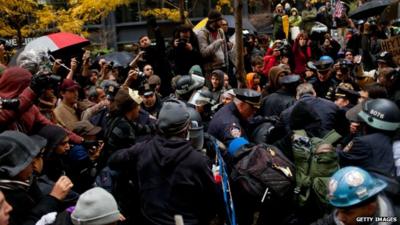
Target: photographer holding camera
(18, 83)
(185, 50)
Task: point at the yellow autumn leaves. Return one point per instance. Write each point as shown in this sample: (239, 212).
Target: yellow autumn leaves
(163, 14)
(224, 6)
(29, 18)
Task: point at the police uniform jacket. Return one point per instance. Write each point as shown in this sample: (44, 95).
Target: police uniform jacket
(227, 124)
(371, 152)
(326, 110)
(275, 103)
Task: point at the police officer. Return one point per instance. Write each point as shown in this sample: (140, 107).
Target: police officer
(327, 111)
(379, 118)
(275, 103)
(186, 85)
(231, 121)
(151, 100)
(358, 199)
(168, 170)
(345, 97)
(324, 74)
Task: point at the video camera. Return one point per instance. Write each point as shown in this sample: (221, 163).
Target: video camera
(182, 43)
(51, 80)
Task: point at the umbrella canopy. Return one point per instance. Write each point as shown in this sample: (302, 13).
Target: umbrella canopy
(57, 41)
(119, 59)
(371, 8)
(231, 24)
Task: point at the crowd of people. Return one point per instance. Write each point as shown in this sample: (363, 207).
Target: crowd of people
(310, 135)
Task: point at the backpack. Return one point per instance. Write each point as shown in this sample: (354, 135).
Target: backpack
(316, 161)
(263, 169)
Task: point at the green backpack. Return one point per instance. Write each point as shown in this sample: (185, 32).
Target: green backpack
(316, 161)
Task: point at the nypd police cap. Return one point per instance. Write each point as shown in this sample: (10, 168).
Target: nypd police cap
(249, 96)
(289, 79)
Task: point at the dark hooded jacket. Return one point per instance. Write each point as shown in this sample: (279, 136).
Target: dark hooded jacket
(171, 178)
(217, 92)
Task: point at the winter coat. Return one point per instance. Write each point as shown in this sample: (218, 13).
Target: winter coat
(295, 21)
(327, 111)
(171, 178)
(14, 83)
(322, 88)
(213, 49)
(275, 103)
(182, 59)
(269, 62)
(361, 150)
(278, 26)
(308, 16)
(301, 56)
(28, 202)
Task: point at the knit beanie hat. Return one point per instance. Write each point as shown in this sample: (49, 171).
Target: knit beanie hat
(196, 69)
(173, 117)
(95, 207)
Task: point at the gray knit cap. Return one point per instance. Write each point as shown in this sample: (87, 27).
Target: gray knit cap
(173, 117)
(95, 207)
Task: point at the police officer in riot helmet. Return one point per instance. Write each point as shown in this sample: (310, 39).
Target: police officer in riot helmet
(186, 85)
(196, 129)
(379, 119)
(203, 101)
(358, 198)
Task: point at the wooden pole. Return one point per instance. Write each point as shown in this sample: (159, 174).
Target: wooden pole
(182, 10)
(239, 42)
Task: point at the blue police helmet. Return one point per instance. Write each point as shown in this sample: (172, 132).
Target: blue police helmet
(326, 59)
(350, 186)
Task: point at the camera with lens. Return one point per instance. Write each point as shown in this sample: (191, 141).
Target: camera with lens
(182, 42)
(110, 65)
(141, 74)
(11, 104)
(52, 81)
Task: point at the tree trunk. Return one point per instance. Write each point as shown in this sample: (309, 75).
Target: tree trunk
(19, 37)
(239, 42)
(182, 10)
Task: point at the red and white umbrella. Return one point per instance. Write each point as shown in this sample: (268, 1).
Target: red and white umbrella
(56, 41)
